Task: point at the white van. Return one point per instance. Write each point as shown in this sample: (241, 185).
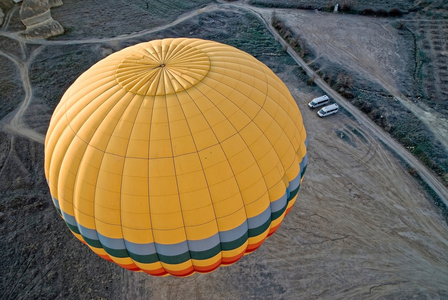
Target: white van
(319, 101)
(328, 110)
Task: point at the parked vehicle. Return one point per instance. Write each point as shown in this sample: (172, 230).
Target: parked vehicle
(319, 101)
(328, 110)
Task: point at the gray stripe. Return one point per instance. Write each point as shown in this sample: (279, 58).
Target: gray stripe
(279, 204)
(294, 184)
(55, 202)
(303, 163)
(116, 244)
(259, 220)
(172, 250)
(233, 234)
(306, 142)
(88, 233)
(141, 249)
(205, 244)
(69, 219)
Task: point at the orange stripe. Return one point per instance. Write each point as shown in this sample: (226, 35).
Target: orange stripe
(287, 210)
(158, 272)
(208, 269)
(232, 259)
(130, 267)
(254, 247)
(106, 257)
(273, 229)
(183, 273)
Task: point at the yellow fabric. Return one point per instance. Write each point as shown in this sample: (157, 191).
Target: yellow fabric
(171, 141)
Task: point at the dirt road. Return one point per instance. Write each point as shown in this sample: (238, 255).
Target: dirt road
(424, 172)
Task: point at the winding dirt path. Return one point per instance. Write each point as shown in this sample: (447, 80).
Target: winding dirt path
(17, 126)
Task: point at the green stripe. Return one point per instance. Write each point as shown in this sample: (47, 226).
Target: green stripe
(293, 193)
(178, 259)
(93, 243)
(73, 228)
(260, 229)
(206, 254)
(303, 171)
(121, 253)
(278, 213)
(144, 259)
(236, 243)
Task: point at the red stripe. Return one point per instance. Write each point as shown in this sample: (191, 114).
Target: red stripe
(253, 247)
(208, 269)
(182, 273)
(273, 229)
(105, 256)
(130, 267)
(158, 272)
(232, 259)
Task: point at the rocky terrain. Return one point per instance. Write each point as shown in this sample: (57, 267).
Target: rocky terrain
(364, 225)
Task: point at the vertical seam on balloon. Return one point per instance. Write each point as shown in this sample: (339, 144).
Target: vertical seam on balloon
(203, 171)
(102, 159)
(261, 107)
(175, 171)
(121, 182)
(76, 178)
(298, 129)
(87, 145)
(247, 146)
(149, 174)
(242, 199)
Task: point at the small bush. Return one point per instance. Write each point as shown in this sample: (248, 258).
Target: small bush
(395, 12)
(381, 13)
(310, 80)
(368, 12)
(413, 172)
(344, 81)
(346, 5)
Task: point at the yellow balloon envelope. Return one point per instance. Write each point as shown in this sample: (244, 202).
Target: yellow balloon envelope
(175, 156)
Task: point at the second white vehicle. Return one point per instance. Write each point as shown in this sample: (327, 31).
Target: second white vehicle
(328, 110)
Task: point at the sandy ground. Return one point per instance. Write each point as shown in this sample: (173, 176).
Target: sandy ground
(369, 47)
(362, 228)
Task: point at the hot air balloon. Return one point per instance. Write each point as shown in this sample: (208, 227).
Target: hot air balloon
(175, 156)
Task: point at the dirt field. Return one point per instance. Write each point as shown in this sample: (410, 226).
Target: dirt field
(371, 50)
(362, 228)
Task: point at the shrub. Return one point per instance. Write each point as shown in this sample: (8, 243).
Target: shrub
(346, 5)
(344, 81)
(395, 12)
(368, 12)
(311, 80)
(382, 13)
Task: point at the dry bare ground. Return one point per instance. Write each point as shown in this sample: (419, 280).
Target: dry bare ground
(362, 227)
(368, 47)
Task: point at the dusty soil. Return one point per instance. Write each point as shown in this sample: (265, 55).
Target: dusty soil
(372, 49)
(362, 228)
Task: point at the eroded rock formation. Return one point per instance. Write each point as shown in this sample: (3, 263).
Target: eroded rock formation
(36, 16)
